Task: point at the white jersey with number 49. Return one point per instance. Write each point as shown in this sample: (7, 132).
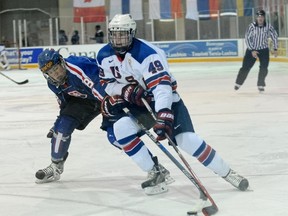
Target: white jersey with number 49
(143, 64)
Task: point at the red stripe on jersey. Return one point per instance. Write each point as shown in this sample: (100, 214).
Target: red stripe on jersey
(83, 77)
(205, 154)
(132, 144)
(157, 81)
(97, 94)
(102, 82)
(76, 71)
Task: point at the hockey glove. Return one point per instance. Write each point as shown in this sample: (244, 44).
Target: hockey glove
(112, 105)
(50, 133)
(133, 94)
(164, 123)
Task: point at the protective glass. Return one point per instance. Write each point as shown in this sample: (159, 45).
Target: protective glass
(120, 40)
(57, 74)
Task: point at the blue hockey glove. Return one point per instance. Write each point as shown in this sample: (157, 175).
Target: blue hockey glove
(133, 93)
(164, 123)
(112, 105)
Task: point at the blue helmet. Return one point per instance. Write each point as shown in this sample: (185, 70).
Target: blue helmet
(47, 60)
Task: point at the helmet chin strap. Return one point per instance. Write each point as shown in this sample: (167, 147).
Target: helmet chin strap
(121, 51)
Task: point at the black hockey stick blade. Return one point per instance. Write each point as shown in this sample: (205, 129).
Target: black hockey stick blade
(210, 210)
(19, 83)
(206, 206)
(23, 82)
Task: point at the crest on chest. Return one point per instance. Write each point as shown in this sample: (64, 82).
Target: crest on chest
(125, 71)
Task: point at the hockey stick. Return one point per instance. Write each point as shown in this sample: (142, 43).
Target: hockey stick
(200, 186)
(19, 83)
(206, 208)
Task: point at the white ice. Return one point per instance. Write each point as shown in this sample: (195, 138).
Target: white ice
(248, 129)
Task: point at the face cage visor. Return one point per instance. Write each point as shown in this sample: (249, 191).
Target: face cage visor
(56, 75)
(120, 40)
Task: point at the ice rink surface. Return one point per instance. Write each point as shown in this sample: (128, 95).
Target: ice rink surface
(248, 129)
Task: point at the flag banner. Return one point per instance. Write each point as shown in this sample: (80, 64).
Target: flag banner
(165, 9)
(245, 7)
(282, 8)
(191, 9)
(132, 7)
(90, 10)
(248, 7)
(214, 8)
(261, 5)
(273, 5)
(228, 8)
(208, 8)
(203, 9)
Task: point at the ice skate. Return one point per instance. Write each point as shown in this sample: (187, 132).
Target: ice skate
(261, 89)
(165, 172)
(50, 173)
(7, 67)
(237, 180)
(156, 180)
(236, 87)
(156, 183)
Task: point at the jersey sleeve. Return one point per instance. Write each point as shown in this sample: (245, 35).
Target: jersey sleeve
(249, 40)
(274, 37)
(158, 79)
(87, 70)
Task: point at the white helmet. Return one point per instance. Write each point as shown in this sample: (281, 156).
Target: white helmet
(122, 30)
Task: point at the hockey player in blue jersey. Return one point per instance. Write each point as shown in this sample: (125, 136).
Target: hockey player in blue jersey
(134, 68)
(75, 82)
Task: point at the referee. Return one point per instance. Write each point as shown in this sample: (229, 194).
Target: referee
(256, 39)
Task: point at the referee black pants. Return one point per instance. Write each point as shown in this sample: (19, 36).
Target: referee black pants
(248, 63)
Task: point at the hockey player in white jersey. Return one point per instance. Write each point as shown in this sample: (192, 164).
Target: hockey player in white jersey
(4, 63)
(133, 68)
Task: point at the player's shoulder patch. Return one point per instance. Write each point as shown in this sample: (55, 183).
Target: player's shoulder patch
(104, 52)
(141, 50)
(74, 59)
(82, 62)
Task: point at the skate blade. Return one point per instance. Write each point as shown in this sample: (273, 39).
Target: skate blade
(47, 180)
(169, 180)
(158, 189)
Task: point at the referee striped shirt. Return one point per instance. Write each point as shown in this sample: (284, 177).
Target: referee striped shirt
(256, 36)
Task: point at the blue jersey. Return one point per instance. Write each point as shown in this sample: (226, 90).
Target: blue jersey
(82, 81)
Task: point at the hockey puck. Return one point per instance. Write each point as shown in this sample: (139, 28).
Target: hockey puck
(192, 213)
